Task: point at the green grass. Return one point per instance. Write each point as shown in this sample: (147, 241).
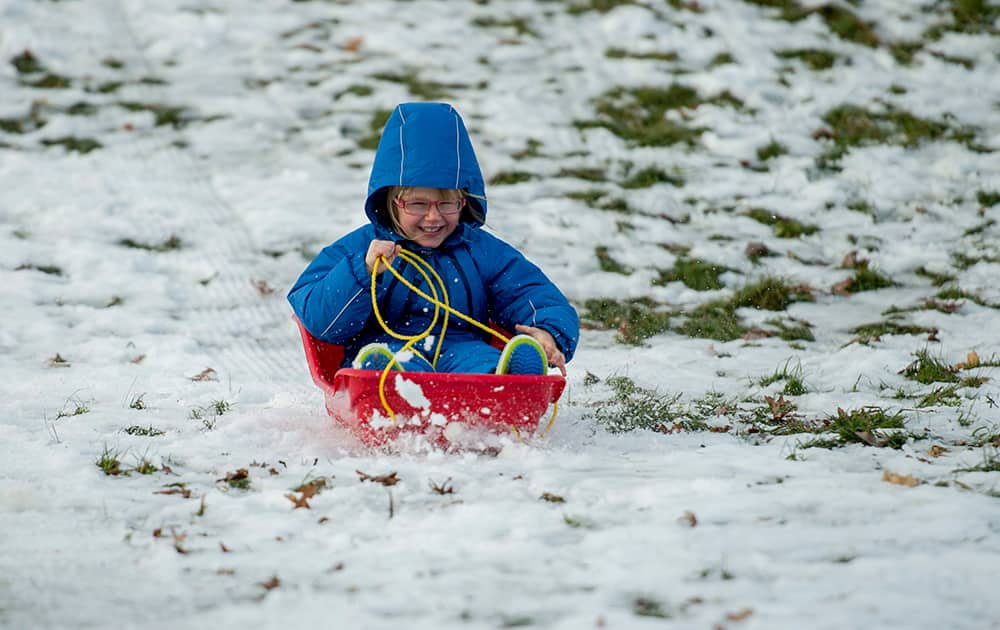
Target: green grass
(713, 320)
(695, 273)
(621, 53)
(609, 264)
(792, 330)
(783, 227)
(639, 115)
(815, 58)
(927, 369)
(850, 126)
(937, 279)
(940, 396)
(771, 294)
(163, 115)
(424, 90)
(506, 178)
(633, 407)
(651, 176)
(109, 461)
(771, 150)
(518, 24)
(794, 385)
(988, 198)
(171, 243)
(867, 333)
(146, 431)
(74, 144)
(375, 126)
(635, 320)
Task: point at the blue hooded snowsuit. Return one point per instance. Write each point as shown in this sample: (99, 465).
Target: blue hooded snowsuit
(427, 145)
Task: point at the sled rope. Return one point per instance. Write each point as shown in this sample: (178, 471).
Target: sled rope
(440, 302)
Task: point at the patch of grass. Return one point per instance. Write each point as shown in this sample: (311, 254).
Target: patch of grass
(649, 607)
(927, 369)
(27, 63)
(771, 150)
(792, 330)
(847, 25)
(954, 293)
(695, 273)
(783, 227)
(600, 6)
(163, 115)
(609, 264)
(49, 81)
(794, 385)
(621, 53)
(713, 320)
(585, 173)
(424, 90)
(375, 126)
(937, 279)
(109, 461)
(864, 279)
(941, 396)
(815, 58)
(639, 115)
(721, 59)
(979, 229)
(771, 294)
(635, 320)
(518, 24)
(862, 425)
(78, 410)
(866, 333)
(144, 467)
(137, 402)
(172, 243)
(504, 178)
(850, 126)
(988, 198)
(74, 144)
(651, 176)
(146, 431)
(633, 407)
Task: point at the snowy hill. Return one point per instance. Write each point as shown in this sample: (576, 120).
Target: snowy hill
(777, 219)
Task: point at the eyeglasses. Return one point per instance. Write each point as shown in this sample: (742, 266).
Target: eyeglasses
(420, 207)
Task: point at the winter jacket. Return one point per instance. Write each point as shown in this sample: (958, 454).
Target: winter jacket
(427, 145)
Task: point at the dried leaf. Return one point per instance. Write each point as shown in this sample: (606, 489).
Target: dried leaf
(389, 479)
(263, 288)
(843, 287)
(739, 615)
(936, 450)
(300, 502)
(552, 498)
(208, 374)
(900, 480)
(971, 361)
(756, 250)
(852, 260)
(688, 518)
(352, 44)
(271, 584)
(184, 492)
(444, 488)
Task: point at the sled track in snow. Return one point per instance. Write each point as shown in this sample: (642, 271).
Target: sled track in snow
(250, 334)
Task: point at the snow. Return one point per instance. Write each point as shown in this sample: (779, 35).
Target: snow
(580, 528)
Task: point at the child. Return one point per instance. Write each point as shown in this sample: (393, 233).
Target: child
(426, 195)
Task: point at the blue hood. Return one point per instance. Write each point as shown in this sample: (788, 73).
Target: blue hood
(425, 145)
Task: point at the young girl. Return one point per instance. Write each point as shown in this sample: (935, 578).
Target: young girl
(426, 195)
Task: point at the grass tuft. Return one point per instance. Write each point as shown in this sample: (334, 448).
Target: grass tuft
(927, 369)
(783, 227)
(635, 320)
(633, 407)
(695, 273)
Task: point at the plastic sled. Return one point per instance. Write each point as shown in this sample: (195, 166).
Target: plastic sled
(428, 403)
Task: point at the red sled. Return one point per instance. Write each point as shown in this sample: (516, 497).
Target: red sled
(436, 405)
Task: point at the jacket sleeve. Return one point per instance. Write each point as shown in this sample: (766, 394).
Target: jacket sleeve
(332, 297)
(520, 293)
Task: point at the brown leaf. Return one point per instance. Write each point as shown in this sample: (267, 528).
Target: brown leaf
(900, 480)
(444, 488)
(552, 498)
(300, 502)
(688, 518)
(352, 44)
(184, 492)
(843, 287)
(389, 479)
(271, 584)
(757, 333)
(263, 288)
(236, 475)
(936, 450)
(756, 250)
(971, 361)
(739, 615)
(852, 260)
(223, 547)
(139, 358)
(869, 438)
(208, 374)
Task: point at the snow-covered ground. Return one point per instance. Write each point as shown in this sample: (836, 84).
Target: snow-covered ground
(144, 318)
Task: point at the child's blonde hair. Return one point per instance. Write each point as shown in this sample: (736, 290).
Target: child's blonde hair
(469, 213)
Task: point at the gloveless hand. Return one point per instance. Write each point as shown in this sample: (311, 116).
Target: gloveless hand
(385, 249)
(548, 343)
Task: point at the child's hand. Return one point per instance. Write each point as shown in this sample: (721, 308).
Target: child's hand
(385, 249)
(548, 342)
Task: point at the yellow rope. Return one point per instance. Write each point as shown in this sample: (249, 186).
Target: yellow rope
(423, 267)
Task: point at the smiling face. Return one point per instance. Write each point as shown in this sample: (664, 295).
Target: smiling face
(432, 228)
